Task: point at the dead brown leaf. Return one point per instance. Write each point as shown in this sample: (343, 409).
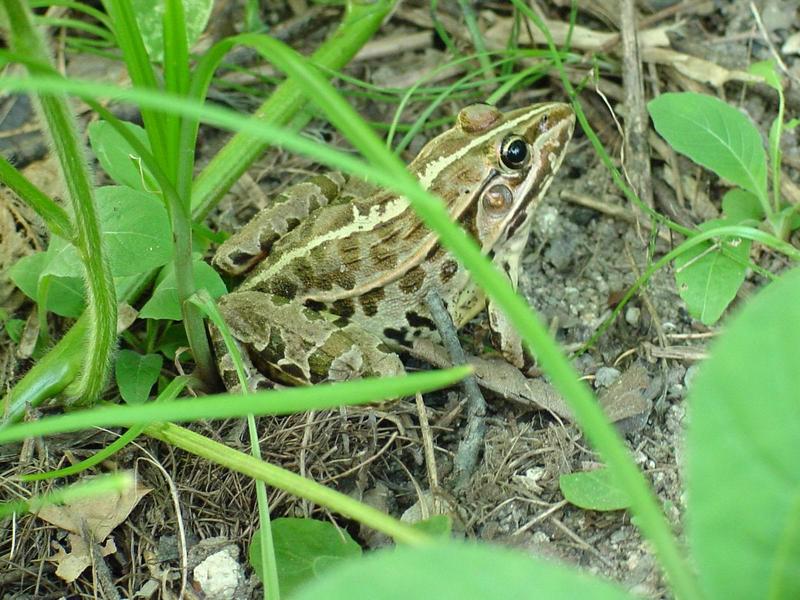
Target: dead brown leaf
(99, 514)
(71, 564)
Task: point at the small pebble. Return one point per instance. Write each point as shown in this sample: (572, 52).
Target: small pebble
(219, 576)
(632, 316)
(605, 376)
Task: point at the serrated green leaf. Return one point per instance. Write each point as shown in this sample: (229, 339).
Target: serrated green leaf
(163, 304)
(743, 518)
(136, 235)
(456, 571)
(708, 276)
(65, 297)
(715, 135)
(149, 14)
(135, 374)
(304, 549)
(593, 490)
(739, 206)
(117, 158)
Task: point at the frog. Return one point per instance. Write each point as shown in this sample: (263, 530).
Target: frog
(336, 270)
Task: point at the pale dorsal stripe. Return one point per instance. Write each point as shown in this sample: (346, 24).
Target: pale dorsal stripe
(360, 222)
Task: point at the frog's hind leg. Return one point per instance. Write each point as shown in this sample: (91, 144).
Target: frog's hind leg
(227, 370)
(294, 344)
(253, 242)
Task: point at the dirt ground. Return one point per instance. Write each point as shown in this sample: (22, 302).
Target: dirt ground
(588, 246)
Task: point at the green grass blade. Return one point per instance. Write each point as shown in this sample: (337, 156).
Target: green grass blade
(288, 481)
(129, 39)
(224, 406)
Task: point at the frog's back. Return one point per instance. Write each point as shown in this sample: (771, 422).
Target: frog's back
(342, 250)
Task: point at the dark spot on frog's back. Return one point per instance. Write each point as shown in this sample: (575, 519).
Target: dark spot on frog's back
(303, 269)
(370, 300)
(449, 268)
(283, 286)
(315, 305)
(327, 185)
(336, 217)
(398, 335)
(349, 250)
(345, 307)
(344, 279)
(417, 320)
(382, 259)
(412, 281)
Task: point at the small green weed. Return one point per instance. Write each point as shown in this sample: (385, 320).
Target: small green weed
(722, 139)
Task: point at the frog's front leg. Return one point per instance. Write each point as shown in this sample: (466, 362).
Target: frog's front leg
(253, 242)
(290, 343)
(505, 336)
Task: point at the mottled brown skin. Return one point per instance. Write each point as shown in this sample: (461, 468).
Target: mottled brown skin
(363, 258)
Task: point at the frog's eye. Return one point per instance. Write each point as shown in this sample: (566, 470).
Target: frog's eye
(514, 152)
(497, 199)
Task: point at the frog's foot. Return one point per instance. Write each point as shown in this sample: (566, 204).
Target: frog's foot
(366, 357)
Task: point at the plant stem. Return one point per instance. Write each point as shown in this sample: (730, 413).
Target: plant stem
(220, 454)
(101, 300)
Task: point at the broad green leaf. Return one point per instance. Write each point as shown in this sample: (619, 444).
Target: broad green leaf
(304, 549)
(149, 14)
(766, 69)
(740, 206)
(715, 135)
(136, 235)
(62, 259)
(136, 374)
(65, 296)
(708, 276)
(440, 526)
(117, 158)
(593, 490)
(792, 215)
(14, 329)
(456, 571)
(743, 517)
(172, 338)
(163, 304)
